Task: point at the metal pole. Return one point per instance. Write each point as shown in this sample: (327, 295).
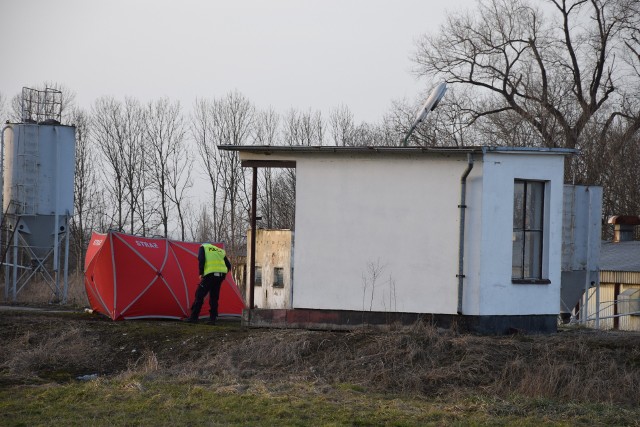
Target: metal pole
(14, 293)
(2, 218)
(56, 220)
(66, 259)
(6, 267)
(587, 282)
(252, 267)
(406, 138)
(2, 177)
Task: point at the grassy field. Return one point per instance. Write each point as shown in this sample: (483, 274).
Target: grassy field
(75, 368)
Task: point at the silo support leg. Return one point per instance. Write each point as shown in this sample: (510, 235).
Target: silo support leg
(66, 262)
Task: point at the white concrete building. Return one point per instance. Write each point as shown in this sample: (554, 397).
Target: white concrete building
(381, 230)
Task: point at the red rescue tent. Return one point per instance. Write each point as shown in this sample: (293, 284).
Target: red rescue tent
(132, 277)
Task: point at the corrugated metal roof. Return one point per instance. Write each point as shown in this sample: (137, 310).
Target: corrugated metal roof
(622, 256)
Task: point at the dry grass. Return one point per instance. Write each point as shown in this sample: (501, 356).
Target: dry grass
(422, 360)
(571, 366)
(38, 292)
(53, 352)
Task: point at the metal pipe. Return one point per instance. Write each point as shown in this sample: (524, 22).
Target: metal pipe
(406, 138)
(14, 291)
(2, 176)
(66, 258)
(2, 243)
(462, 206)
(6, 264)
(254, 208)
(56, 220)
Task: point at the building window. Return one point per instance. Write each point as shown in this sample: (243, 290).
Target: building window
(278, 277)
(528, 226)
(258, 276)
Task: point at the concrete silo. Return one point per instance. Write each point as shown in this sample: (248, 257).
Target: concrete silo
(38, 158)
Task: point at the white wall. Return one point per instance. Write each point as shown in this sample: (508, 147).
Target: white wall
(397, 214)
(497, 295)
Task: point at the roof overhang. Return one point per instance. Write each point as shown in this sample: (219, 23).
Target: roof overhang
(285, 156)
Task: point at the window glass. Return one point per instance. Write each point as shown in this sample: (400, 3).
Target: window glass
(278, 277)
(516, 270)
(258, 278)
(528, 223)
(518, 205)
(532, 251)
(535, 192)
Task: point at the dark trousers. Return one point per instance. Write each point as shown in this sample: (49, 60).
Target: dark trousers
(210, 284)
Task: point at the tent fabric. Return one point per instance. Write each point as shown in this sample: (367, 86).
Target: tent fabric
(132, 277)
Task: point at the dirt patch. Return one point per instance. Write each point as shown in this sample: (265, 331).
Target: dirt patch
(572, 365)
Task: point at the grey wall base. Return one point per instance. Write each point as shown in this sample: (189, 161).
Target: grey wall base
(348, 320)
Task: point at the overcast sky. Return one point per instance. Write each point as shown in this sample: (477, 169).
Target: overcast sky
(280, 53)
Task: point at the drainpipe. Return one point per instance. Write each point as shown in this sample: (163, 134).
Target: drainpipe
(462, 206)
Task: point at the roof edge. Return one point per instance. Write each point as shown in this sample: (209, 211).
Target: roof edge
(268, 149)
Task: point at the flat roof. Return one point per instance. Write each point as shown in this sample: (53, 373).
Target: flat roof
(270, 149)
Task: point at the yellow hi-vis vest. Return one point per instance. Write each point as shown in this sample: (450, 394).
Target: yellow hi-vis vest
(213, 259)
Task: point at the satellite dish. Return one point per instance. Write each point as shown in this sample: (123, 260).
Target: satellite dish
(432, 101)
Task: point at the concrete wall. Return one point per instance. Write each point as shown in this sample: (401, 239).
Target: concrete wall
(378, 233)
(497, 294)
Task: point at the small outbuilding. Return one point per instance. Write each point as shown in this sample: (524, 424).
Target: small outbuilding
(615, 302)
(471, 236)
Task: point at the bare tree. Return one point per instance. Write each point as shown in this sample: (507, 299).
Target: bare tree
(109, 136)
(118, 131)
(226, 121)
(266, 133)
(283, 200)
(556, 76)
(377, 134)
(180, 181)
(303, 128)
(342, 126)
(563, 76)
(134, 161)
(168, 160)
(291, 132)
(206, 131)
(238, 119)
(4, 114)
(86, 188)
(204, 229)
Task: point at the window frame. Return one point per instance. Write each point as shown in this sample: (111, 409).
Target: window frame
(529, 228)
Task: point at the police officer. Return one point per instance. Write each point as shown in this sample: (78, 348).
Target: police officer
(213, 266)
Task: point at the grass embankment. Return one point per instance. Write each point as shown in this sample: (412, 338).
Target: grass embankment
(169, 373)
